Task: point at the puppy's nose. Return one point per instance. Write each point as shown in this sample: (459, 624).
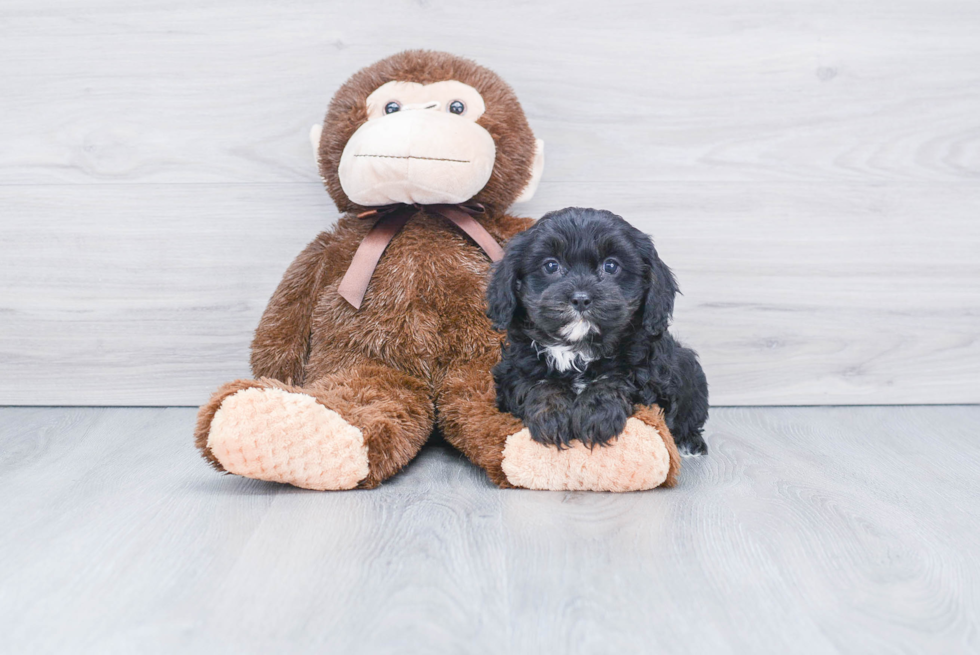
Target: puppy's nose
(581, 300)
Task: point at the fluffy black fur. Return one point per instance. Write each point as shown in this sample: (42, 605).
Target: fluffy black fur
(586, 302)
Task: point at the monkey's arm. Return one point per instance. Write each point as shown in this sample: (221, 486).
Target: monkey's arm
(282, 340)
(507, 226)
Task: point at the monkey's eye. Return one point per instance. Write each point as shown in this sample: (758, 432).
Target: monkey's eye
(456, 107)
(551, 266)
(392, 107)
(610, 266)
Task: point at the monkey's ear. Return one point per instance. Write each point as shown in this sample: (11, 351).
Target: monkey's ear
(315, 133)
(504, 283)
(537, 167)
(658, 307)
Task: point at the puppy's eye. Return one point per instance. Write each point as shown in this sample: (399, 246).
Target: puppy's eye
(456, 107)
(392, 107)
(610, 266)
(551, 266)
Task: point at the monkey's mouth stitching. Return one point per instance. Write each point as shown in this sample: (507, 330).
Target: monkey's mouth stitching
(455, 161)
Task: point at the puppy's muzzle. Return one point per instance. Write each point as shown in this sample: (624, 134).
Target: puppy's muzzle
(580, 301)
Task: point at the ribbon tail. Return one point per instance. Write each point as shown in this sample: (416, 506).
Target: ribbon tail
(355, 282)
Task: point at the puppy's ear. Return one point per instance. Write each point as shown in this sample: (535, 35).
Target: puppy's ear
(658, 306)
(502, 289)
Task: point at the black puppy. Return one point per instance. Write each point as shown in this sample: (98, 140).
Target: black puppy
(586, 302)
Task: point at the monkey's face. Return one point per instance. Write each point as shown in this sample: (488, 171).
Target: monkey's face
(428, 128)
(420, 144)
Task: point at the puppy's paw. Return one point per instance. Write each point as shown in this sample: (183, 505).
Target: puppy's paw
(691, 445)
(550, 426)
(596, 422)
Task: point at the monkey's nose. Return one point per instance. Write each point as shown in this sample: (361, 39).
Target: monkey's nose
(581, 300)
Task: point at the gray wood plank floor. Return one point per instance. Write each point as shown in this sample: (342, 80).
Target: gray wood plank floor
(806, 530)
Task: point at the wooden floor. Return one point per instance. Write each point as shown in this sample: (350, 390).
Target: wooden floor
(806, 530)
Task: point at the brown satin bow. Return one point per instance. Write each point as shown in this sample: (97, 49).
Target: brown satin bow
(391, 219)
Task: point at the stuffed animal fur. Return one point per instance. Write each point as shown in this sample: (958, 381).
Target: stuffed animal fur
(343, 396)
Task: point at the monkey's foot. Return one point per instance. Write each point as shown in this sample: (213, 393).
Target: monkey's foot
(637, 459)
(279, 436)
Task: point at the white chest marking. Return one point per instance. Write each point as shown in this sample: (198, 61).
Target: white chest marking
(578, 329)
(563, 358)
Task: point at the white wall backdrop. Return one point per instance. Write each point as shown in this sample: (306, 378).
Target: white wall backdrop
(811, 171)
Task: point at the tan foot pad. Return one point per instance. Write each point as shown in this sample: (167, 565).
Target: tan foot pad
(635, 461)
(271, 434)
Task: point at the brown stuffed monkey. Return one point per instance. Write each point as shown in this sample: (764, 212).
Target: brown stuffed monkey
(378, 330)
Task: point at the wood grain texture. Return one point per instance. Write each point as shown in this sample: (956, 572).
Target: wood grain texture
(629, 90)
(807, 530)
(810, 171)
(801, 296)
